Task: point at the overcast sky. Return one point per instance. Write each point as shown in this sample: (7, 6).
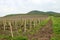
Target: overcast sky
(23, 6)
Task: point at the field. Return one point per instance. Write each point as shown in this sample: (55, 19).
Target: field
(56, 28)
(21, 28)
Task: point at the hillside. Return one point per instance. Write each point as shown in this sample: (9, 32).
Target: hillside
(35, 12)
(49, 13)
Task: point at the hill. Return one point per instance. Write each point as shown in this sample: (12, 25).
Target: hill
(35, 12)
(49, 13)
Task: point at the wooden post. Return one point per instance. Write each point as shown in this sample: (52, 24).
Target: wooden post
(39, 21)
(34, 23)
(25, 26)
(11, 29)
(20, 24)
(22, 21)
(16, 28)
(30, 24)
(16, 25)
(4, 23)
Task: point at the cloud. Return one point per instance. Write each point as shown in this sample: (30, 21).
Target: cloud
(41, 1)
(17, 6)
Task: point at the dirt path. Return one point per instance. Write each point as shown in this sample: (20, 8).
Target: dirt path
(44, 33)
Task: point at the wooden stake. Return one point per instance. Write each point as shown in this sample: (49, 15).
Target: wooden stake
(34, 23)
(16, 27)
(39, 21)
(4, 23)
(11, 29)
(30, 24)
(25, 26)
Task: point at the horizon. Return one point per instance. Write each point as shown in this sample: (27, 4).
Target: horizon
(28, 12)
(23, 6)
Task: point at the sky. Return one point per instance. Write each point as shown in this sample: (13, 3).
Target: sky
(24, 6)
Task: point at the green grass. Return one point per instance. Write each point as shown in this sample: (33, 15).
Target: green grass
(56, 28)
(14, 38)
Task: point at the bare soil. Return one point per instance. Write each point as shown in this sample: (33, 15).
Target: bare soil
(44, 33)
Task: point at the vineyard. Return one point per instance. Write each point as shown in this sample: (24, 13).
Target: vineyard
(29, 28)
(56, 28)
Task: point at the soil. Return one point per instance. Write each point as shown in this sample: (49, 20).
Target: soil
(44, 33)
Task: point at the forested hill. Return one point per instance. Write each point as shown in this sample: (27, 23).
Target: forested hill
(49, 13)
(35, 12)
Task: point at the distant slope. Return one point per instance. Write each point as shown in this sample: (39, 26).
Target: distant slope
(49, 13)
(35, 12)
